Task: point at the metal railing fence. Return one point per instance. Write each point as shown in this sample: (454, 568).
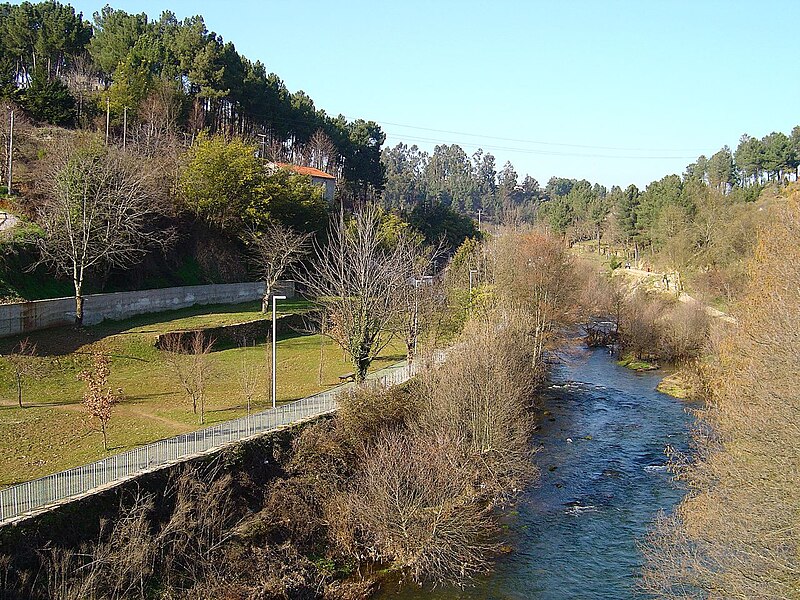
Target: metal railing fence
(38, 494)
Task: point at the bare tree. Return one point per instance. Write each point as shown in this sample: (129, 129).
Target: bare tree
(249, 378)
(187, 358)
(154, 130)
(420, 293)
(8, 142)
(98, 399)
(735, 534)
(355, 280)
(24, 365)
(321, 153)
(274, 249)
(101, 211)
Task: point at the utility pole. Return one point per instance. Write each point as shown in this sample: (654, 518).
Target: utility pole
(471, 273)
(108, 116)
(124, 127)
(416, 323)
(263, 137)
(480, 210)
(10, 152)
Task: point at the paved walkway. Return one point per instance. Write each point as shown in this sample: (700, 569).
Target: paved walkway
(27, 499)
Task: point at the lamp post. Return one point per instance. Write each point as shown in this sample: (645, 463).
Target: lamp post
(274, 332)
(471, 273)
(416, 312)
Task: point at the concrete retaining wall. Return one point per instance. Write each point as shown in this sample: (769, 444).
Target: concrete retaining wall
(23, 317)
(239, 334)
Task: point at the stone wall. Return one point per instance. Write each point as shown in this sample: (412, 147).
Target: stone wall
(23, 317)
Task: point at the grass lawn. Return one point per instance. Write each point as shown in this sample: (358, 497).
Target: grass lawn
(51, 433)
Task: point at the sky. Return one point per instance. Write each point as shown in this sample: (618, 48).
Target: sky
(615, 92)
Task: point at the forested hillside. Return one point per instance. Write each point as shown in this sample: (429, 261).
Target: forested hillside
(170, 76)
(207, 118)
(701, 223)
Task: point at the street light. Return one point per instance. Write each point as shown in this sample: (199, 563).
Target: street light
(471, 273)
(416, 312)
(274, 332)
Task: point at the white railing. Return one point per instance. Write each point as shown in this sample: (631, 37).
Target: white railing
(27, 498)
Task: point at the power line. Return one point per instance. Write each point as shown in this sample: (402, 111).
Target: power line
(538, 152)
(538, 142)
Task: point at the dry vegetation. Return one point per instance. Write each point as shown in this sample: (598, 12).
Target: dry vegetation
(737, 534)
(410, 478)
(655, 327)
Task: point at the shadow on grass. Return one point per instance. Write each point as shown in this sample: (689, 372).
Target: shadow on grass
(27, 404)
(61, 341)
(393, 358)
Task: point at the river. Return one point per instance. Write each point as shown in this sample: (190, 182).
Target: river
(603, 433)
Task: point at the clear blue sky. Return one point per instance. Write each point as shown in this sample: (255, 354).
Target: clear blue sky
(613, 91)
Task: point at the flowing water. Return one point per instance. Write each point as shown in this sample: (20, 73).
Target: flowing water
(603, 480)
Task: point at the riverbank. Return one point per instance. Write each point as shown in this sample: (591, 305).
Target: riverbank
(602, 433)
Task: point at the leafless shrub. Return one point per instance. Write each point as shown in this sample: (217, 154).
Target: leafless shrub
(188, 361)
(638, 327)
(413, 504)
(117, 566)
(684, 333)
(323, 451)
(205, 515)
(481, 397)
(25, 365)
(366, 413)
(653, 327)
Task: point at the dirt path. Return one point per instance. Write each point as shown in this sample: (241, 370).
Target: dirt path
(668, 288)
(182, 427)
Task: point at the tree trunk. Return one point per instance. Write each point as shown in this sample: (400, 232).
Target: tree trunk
(598, 239)
(361, 364)
(265, 307)
(105, 438)
(19, 389)
(321, 349)
(78, 302)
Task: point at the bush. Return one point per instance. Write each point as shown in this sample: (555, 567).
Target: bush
(413, 504)
(481, 397)
(653, 328)
(367, 413)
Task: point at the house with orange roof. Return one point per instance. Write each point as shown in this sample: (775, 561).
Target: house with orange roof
(321, 178)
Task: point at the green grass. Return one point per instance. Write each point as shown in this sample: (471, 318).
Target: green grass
(65, 340)
(637, 364)
(50, 433)
(196, 317)
(674, 385)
